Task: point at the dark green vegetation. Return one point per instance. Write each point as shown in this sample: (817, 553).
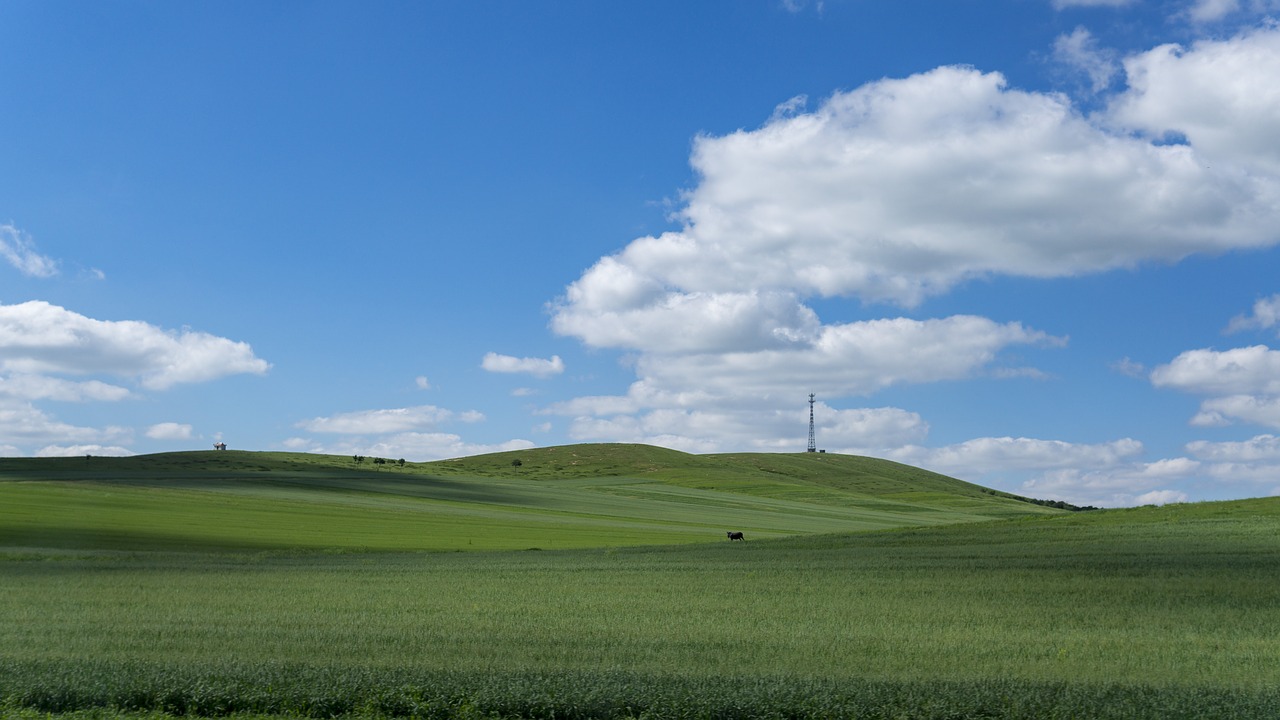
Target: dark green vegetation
(1144, 613)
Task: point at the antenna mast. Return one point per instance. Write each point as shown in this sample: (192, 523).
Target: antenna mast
(813, 443)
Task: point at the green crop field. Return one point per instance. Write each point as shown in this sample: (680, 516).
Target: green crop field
(257, 584)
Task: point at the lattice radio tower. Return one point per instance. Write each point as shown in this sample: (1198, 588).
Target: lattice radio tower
(813, 442)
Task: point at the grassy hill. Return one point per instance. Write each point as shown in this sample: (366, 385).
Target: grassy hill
(561, 497)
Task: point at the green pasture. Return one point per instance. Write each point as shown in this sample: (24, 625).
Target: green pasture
(1156, 612)
(583, 496)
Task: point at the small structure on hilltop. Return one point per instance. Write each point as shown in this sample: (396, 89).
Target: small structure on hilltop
(813, 443)
(219, 446)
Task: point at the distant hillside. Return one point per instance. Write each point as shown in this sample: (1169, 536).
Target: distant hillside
(573, 496)
(826, 478)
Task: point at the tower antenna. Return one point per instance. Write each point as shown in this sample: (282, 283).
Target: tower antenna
(813, 443)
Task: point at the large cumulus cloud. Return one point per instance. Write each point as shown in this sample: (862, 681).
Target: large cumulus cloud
(37, 337)
(903, 188)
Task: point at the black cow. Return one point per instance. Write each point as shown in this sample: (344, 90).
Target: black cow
(735, 535)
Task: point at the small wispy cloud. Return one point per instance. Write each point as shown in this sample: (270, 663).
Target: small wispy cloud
(376, 422)
(170, 431)
(1129, 367)
(1208, 11)
(795, 6)
(1080, 51)
(537, 367)
(19, 250)
(1266, 314)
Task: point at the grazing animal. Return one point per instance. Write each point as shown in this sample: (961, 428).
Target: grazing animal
(735, 535)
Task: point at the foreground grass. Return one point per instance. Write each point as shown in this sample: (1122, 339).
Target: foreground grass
(1152, 612)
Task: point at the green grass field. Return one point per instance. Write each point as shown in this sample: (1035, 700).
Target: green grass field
(580, 496)
(881, 591)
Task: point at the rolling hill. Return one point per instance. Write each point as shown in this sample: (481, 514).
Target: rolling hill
(560, 497)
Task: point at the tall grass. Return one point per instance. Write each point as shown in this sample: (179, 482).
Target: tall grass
(1156, 612)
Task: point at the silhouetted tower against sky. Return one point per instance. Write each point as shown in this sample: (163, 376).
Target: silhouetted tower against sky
(813, 442)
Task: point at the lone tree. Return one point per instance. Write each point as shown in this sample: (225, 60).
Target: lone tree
(516, 463)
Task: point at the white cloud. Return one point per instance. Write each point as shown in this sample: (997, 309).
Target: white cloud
(1260, 410)
(1221, 96)
(723, 428)
(851, 359)
(1120, 486)
(682, 322)
(729, 401)
(18, 249)
(422, 383)
(411, 433)
(538, 367)
(901, 189)
(79, 450)
(41, 387)
(984, 456)
(1243, 384)
(1265, 315)
(1260, 448)
(1080, 50)
(1206, 11)
(597, 405)
(39, 338)
(1161, 497)
(1129, 367)
(23, 424)
(868, 429)
(1109, 474)
(412, 446)
(393, 420)
(1247, 370)
(169, 431)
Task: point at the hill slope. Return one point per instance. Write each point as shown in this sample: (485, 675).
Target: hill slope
(572, 496)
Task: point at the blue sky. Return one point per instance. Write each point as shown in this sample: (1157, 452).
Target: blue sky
(1028, 243)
